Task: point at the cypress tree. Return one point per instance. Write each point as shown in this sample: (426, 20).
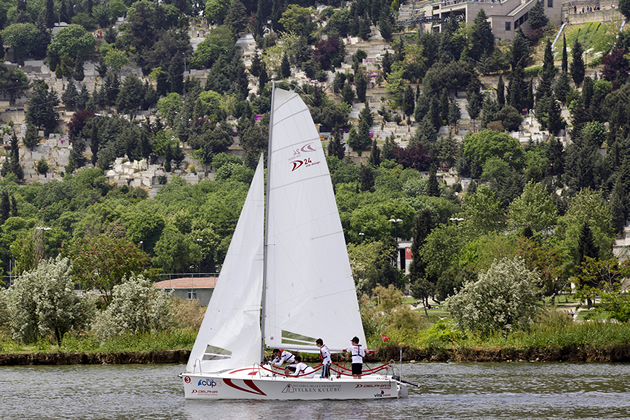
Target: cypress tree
(578, 68)
(565, 57)
(501, 91)
(421, 287)
(366, 177)
(375, 155)
(5, 207)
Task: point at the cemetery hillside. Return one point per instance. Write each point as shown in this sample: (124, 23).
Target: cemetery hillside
(479, 154)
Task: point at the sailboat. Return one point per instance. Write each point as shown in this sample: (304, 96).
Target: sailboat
(285, 282)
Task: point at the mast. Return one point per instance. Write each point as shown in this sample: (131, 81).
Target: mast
(265, 244)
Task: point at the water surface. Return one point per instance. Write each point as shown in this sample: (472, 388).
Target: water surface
(449, 390)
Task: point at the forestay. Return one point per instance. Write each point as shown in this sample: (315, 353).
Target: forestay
(230, 335)
(310, 290)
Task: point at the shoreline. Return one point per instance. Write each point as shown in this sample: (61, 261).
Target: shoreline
(582, 353)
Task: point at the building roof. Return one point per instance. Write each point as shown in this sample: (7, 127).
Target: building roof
(188, 283)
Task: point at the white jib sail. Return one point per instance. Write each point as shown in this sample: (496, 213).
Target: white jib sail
(230, 336)
(310, 290)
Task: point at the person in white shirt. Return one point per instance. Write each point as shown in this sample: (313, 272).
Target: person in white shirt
(324, 353)
(358, 354)
(302, 368)
(281, 357)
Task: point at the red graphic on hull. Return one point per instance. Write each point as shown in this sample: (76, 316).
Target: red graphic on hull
(253, 388)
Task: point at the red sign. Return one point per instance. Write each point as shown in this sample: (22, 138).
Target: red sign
(408, 255)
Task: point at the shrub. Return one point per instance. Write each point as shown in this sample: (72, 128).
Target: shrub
(503, 299)
(136, 307)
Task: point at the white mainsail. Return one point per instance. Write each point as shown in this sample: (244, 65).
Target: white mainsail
(310, 291)
(230, 335)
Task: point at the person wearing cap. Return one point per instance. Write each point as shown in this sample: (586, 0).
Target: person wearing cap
(358, 354)
(324, 353)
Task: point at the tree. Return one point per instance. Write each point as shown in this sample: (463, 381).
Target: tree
(624, 8)
(360, 84)
(13, 82)
(12, 165)
(131, 96)
(366, 178)
(23, 38)
(69, 96)
(421, 287)
(475, 98)
(482, 37)
(285, 67)
(103, 261)
(175, 252)
(504, 299)
(31, 138)
(136, 307)
(534, 209)
(537, 17)
(236, 17)
(565, 57)
(385, 27)
(42, 302)
(335, 146)
(409, 101)
(73, 40)
(501, 91)
(490, 143)
(40, 107)
(578, 68)
(42, 167)
(297, 19)
(216, 10)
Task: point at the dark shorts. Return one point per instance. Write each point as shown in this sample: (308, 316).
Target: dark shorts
(357, 368)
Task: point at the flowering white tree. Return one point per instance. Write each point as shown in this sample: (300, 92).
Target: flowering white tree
(42, 301)
(136, 307)
(504, 298)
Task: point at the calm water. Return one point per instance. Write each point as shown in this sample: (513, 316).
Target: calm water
(450, 390)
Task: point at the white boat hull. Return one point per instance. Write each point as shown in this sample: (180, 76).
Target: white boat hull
(258, 384)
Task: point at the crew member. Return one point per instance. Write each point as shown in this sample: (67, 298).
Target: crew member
(358, 354)
(324, 353)
(302, 368)
(281, 357)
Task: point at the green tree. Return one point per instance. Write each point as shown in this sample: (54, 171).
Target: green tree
(131, 96)
(482, 37)
(236, 17)
(504, 299)
(537, 17)
(175, 252)
(43, 302)
(103, 261)
(490, 143)
(534, 209)
(285, 67)
(624, 8)
(578, 68)
(216, 10)
(421, 287)
(42, 167)
(298, 20)
(31, 138)
(23, 38)
(40, 107)
(73, 40)
(13, 83)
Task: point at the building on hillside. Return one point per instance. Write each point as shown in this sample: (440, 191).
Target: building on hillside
(505, 16)
(190, 288)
